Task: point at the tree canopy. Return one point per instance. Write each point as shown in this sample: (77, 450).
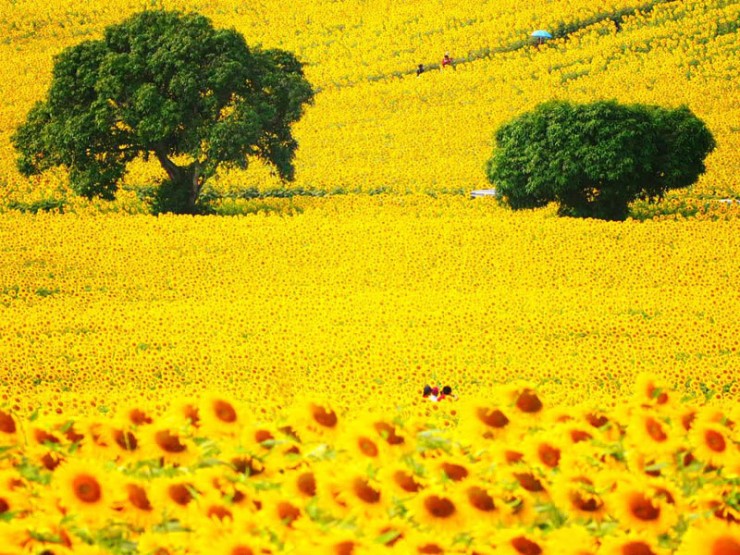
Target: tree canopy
(168, 85)
(594, 159)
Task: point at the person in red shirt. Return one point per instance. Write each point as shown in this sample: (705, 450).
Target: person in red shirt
(447, 61)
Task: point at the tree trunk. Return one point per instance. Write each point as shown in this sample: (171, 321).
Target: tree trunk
(179, 194)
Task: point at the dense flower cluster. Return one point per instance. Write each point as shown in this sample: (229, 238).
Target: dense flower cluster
(361, 294)
(375, 125)
(505, 473)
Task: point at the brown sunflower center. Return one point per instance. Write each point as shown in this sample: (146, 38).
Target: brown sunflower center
(637, 548)
(4, 506)
(430, 548)
(367, 447)
(406, 482)
(528, 481)
(587, 504)
(525, 546)
(597, 421)
(643, 509)
(655, 430)
(180, 494)
(86, 488)
(388, 432)
(492, 418)
(191, 413)
(288, 512)
(715, 441)
(323, 417)
(549, 455)
(528, 402)
(306, 483)
(125, 440)
(137, 497)
(576, 436)
(7, 424)
(260, 436)
(169, 442)
(365, 492)
(455, 472)
(479, 499)
(224, 411)
(439, 507)
(344, 548)
(139, 417)
(513, 457)
(218, 511)
(726, 546)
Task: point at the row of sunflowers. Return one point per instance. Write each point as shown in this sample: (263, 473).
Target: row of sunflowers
(506, 473)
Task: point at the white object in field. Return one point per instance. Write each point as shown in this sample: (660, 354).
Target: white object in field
(483, 193)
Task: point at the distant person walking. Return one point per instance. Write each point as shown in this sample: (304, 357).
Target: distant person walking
(419, 70)
(447, 61)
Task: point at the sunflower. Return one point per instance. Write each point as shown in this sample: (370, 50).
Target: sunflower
(84, 488)
(8, 429)
(631, 543)
(316, 421)
(437, 509)
(123, 440)
(342, 542)
(543, 451)
(711, 537)
(280, 510)
(361, 443)
(389, 531)
(519, 541)
(452, 468)
(714, 444)
(390, 432)
(485, 419)
(168, 441)
(220, 417)
(423, 541)
(363, 495)
(301, 483)
(525, 404)
(401, 480)
(12, 504)
(640, 509)
(155, 543)
(518, 508)
(262, 436)
(480, 503)
(137, 415)
(653, 435)
(579, 496)
(652, 392)
(720, 501)
(214, 507)
(38, 534)
(177, 497)
(247, 464)
(134, 505)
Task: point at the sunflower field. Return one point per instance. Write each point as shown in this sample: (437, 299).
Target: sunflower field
(253, 384)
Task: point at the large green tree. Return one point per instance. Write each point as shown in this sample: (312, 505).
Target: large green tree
(594, 159)
(168, 85)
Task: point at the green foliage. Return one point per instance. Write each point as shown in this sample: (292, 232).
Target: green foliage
(168, 85)
(594, 159)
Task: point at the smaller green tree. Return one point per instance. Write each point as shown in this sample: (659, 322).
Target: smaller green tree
(166, 85)
(594, 159)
